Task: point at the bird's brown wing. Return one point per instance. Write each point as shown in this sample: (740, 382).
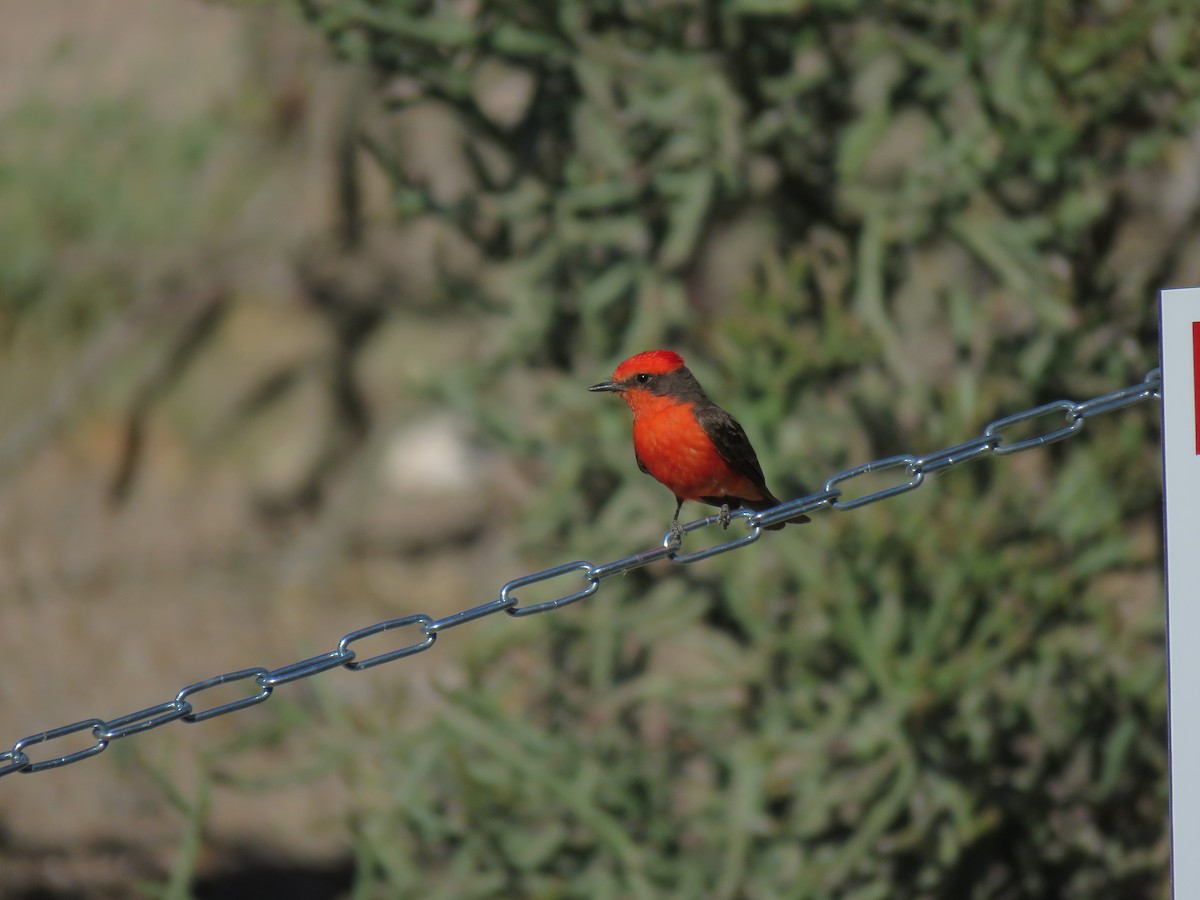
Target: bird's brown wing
(731, 442)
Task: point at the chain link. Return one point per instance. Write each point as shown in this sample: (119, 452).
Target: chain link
(913, 469)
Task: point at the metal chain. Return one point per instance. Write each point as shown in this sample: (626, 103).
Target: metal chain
(426, 629)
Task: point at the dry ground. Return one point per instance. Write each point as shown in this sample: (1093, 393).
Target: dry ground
(108, 608)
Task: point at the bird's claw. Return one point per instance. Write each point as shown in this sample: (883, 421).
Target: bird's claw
(723, 516)
(675, 535)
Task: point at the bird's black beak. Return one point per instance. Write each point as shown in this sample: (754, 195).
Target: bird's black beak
(607, 386)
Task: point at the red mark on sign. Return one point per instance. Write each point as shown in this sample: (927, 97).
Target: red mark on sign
(1196, 379)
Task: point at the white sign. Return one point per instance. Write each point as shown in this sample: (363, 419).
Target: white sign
(1180, 330)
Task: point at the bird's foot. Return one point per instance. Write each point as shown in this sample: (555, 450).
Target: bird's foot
(675, 535)
(723, 516)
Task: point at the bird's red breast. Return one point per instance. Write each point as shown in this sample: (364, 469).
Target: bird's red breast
(676, 451)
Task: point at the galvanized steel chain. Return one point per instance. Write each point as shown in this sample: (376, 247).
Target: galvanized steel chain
(425, 629)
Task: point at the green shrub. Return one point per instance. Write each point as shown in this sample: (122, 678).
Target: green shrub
(871, 230)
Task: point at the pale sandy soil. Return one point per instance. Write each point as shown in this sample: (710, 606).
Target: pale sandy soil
(106, 609)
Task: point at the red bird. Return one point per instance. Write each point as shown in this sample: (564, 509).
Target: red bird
(686, 441)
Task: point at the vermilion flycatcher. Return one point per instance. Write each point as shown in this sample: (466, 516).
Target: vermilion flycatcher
(686, 441)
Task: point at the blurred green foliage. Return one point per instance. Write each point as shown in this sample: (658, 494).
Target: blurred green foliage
(94, 196)
(871, 228)
(611, 145)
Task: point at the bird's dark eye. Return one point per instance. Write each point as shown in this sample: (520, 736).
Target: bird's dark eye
(642, 378)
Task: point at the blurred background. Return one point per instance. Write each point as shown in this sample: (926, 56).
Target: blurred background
(299, 300)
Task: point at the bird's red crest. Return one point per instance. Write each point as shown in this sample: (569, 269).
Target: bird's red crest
(652, 362)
